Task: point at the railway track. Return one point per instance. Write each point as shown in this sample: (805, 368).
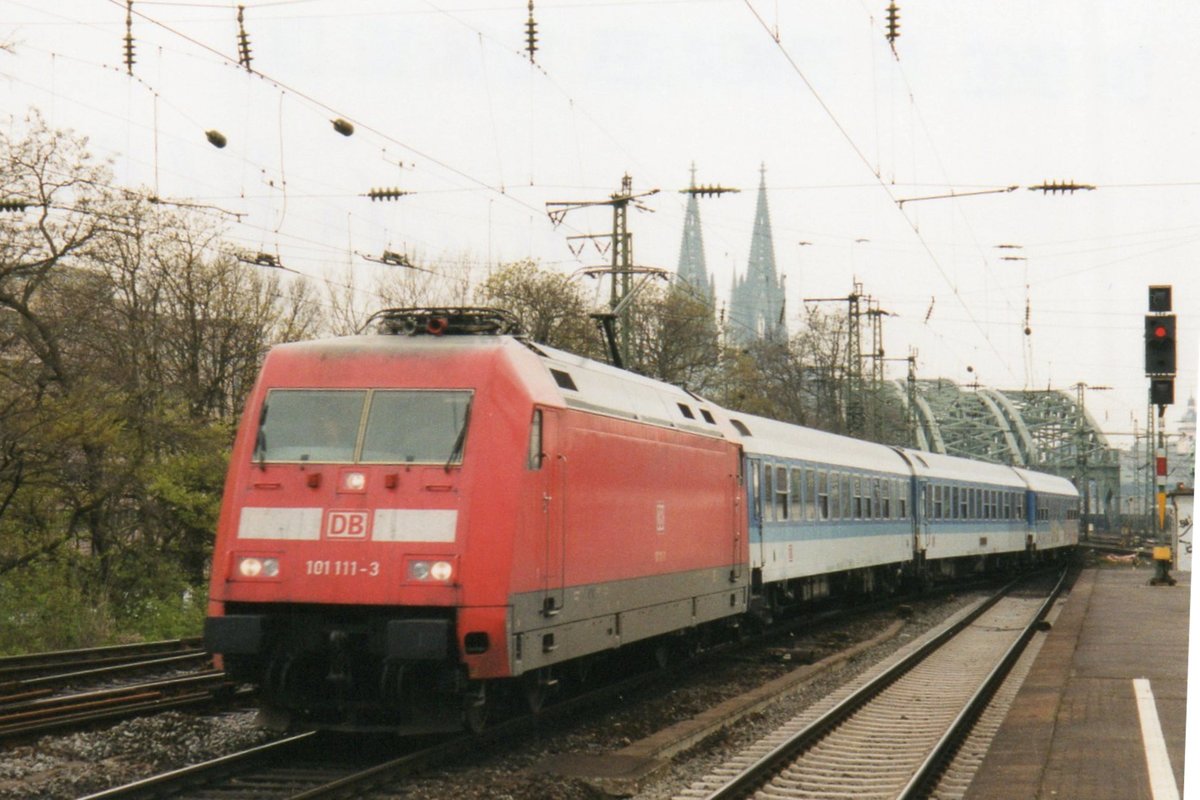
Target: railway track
(294, 770)
(311, 765)
(892, 737)
(37, 675)
(39, 691)
(36, 665)
(24, 718)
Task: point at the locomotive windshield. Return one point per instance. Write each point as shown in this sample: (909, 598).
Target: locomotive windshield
(381, 426)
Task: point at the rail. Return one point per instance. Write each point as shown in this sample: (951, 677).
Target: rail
(782, 756)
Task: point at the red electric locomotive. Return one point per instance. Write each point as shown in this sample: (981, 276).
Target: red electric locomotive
(418, 520)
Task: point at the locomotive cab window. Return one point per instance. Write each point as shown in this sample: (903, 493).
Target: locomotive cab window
(309, 425)
(416, 427)
(375, 426)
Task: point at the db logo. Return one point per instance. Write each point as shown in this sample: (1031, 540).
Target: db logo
(346, 525)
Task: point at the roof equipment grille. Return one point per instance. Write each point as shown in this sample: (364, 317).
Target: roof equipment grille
(464, 321)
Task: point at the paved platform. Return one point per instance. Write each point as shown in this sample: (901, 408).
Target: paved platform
(1083, 725)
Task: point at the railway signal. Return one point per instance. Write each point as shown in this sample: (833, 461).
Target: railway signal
(1160, 369)
(1160, 344)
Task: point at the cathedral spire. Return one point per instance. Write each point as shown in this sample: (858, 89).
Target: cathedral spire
(758, 298)
(692, 267)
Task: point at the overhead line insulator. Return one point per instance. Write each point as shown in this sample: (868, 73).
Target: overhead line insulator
(386, 193)
(893, 22)
(244, 57)
(1054, 187)
(15, 206)
(709, 191)
(531, 34)
(129, 48)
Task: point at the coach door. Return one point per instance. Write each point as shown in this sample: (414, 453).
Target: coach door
(754, 489)
(554, 468)
(737, 522)
(921, 508)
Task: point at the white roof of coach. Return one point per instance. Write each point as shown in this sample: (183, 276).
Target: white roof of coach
(952, 468)
(770, 437)
(1050, 484)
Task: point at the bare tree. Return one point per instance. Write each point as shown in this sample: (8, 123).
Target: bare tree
(549, 306)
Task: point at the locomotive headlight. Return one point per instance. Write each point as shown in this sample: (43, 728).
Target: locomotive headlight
(256, 567)
(354, 481)
(439, 571)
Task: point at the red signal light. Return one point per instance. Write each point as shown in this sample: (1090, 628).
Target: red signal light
(1160, 344)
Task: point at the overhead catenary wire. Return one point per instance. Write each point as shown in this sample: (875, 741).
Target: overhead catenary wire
(862, 157)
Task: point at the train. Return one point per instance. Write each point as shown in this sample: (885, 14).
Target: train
(439, 515)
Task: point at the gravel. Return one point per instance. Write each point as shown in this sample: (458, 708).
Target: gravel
(78, 764)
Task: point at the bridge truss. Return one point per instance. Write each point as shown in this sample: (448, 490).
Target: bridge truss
(1044, 430)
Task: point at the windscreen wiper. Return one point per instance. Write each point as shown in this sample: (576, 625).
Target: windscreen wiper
(260, 441)
(461, 440)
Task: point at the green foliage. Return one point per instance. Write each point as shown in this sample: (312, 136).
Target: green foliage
(46, 606)
(129, 345)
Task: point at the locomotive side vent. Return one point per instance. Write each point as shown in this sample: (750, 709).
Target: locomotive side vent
(465, 321)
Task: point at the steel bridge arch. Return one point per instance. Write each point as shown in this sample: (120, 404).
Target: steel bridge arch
(1045, 430)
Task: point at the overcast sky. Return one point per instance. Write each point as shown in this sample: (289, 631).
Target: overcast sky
(979, 96)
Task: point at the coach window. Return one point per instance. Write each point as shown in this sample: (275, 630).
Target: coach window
(810, 494)
(902, 499)
(858, 497)
(823, 494)
(534, 460)
(798, 503)
(768, 493)
(954, 502)
(964, 507)
(781, 494)
(939, 507)
(1008, 505)
(847, 497)
(886, 511)
(835, 496)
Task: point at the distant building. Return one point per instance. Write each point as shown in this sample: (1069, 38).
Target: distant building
(756, 304)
